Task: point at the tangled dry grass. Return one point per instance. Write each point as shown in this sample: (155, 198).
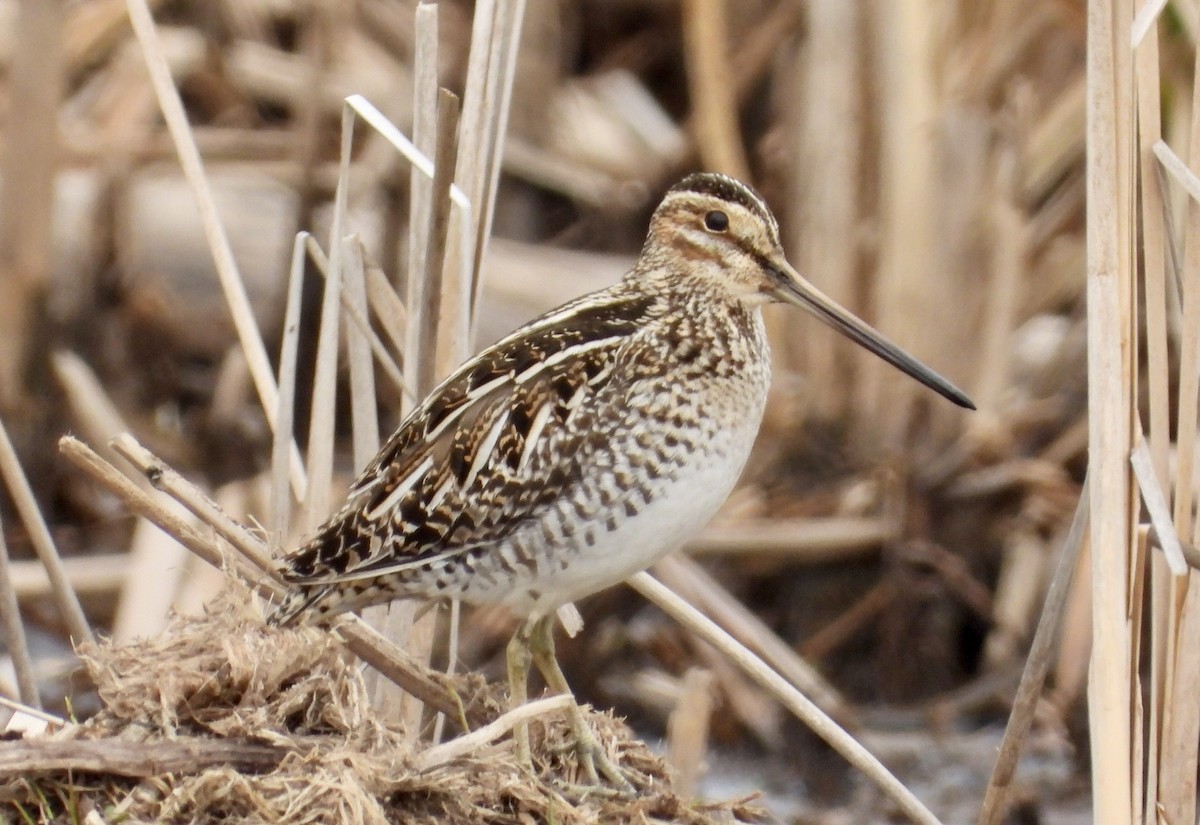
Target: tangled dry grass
(222, 718)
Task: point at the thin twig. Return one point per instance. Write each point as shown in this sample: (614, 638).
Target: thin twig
(39, 536)
(462, 745)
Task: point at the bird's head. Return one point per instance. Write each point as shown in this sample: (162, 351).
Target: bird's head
(717, 233)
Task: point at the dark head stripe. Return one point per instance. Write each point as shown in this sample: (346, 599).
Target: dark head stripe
(727, 189)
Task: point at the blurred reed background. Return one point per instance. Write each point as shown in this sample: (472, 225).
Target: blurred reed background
(927, 161)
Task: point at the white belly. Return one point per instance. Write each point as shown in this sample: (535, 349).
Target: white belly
(678, 511)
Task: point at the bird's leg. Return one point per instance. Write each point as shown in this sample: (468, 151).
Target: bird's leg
(518, 656)
(591, 754)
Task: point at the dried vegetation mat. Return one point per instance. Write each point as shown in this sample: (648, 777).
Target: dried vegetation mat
(221, 718)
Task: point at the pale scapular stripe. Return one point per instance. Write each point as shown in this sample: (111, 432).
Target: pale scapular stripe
(472, 397)
(564, 354)
(402, 488)
(535, 432)
(440, 493)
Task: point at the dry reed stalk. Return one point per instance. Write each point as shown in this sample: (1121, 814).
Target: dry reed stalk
(1110, 304)
(1154, 237)
(451, 342)
(317, 505)
(227, 271)
(427, 360)
(690, 581)
(396, 621)
(424, 138)
(14, 632)
(39, 536)
(797, 541)
(30, 166)
(795, 701)
(712, 95)
(163, 477)
(393, 320)
(1175, 600)
(825, 181)
(443, 284)
(280, 516)
(359, 339)
(908, 109)
(1037, 664)
(687, 731)
(491, 64)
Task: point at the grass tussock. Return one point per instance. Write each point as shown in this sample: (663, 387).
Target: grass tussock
(281, 728)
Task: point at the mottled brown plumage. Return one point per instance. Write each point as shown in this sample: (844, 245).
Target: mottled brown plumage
(587, 444)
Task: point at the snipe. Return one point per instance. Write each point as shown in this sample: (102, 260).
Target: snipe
(585, 445)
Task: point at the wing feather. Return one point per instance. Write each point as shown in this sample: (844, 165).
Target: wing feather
(473, 463)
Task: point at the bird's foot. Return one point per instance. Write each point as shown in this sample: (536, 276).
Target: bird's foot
(600, 772)
(595, 762)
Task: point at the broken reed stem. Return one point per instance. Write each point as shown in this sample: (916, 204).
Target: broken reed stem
(795, 701)
(137, 760)
(218, 241)
(143, 504)
(1033, 677)
(43, 544)
(14, 632)
(163, 477)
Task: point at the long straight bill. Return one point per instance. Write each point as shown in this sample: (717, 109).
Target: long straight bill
(792, 289)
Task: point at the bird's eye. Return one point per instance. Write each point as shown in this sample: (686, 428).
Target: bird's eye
(716, 221)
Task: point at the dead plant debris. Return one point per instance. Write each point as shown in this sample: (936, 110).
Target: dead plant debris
(224, 718)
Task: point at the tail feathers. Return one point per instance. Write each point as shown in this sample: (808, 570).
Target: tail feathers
(298, 602)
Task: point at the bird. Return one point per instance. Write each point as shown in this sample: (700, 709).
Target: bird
(582, 447)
